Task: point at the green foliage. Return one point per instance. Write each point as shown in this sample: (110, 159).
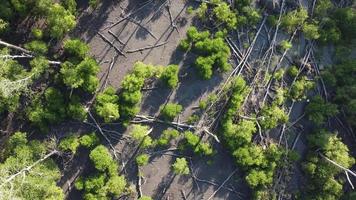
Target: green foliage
(212, 52)
(322, 182)
(170, 111)
(3, 26)
(69, 143)
(76, 110)
(239, 90)
(199, 147)
(82, 75)
(293, 71)
(106, 105)
(37, 183)
(271, 116)
(76, 48)
(225, 15)
(60, 21)
(94, 3)
(142, 159)
(89, 140)
(145, 198)
(180, 166)
(190, 10)
(340, 76)
(38, 47)
(166, 136)
(39, 65)
(345, 19)
(170, 76)
(311, 31)
(285, 45)
(318, 110)
(221, 11)
(70, 5)
(37, 33)
(258, 163)
(105, 183)
(49, 110)
(102, 159)
(294, 19)
(140, 134)
(131, 88)
(299, 89)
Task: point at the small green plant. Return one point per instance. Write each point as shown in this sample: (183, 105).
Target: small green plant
(37, 33)
(293, 71)
(170, 76)
(285, 45)
(140, 134)
(180, 166)
(69, 143)
(166, 136)
(142, 159)
(106, 105)
(190, 10)
(89, 140)
(170, 111)
(199, 147)
(37, 47)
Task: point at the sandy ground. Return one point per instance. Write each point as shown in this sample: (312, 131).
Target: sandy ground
(159, 182)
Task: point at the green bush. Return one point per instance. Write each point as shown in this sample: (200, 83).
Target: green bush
(38, 47)
(76, 110)
(199, 147)
(180, 166)
(89, 140)
(271, 116)
(60, 21)
(50, 110)
(140, 134)
(37, 33)
(69, 143)
(82, 75)
(76, 48)
(299, 89)
(166, 136)
(318, 110)
(293, 71)
(142, 159)
(170, 111)
(170, 76)
(106, 105)
(285, 45)
(212, 52)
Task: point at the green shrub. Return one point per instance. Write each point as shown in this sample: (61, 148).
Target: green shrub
(199, 147)
(293, 71)
(271, 116)
(89, 140)
(76, 110)
(69, 143)
(37, 33)
(285, 45)
(142, 159)
(106, 105)
(60, 21)
(82, 75)
(76, 47)
(170, 111)
(318, 110)
(180, 166)
(38, 47)
(101, 158)
(170, 76)
(166, 136)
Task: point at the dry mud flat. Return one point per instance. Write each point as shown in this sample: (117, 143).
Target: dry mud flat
(115, 32)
